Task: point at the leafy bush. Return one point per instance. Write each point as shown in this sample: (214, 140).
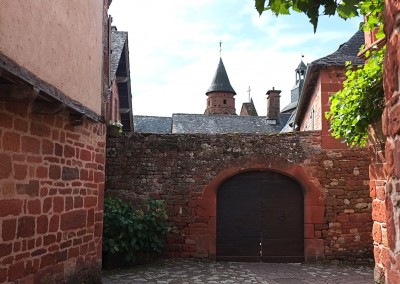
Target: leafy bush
(128, 232)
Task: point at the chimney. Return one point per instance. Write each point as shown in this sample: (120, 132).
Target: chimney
(273, 106)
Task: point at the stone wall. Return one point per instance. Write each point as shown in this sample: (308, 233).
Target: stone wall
(386, 170)
(186, 171)
(51, 197)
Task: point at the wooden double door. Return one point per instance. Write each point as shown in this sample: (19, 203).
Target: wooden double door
(260, 218)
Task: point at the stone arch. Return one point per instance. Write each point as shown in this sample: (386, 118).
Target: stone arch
(314, 208)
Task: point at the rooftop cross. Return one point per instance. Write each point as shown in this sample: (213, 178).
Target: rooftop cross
(220, 48)
(249, 90)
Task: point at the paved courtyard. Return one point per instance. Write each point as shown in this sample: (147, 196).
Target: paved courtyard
(205, 271)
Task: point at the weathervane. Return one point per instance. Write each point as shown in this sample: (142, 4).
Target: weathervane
(220, 48)
(249, 94)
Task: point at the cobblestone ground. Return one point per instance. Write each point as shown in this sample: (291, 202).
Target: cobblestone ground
(205, 271)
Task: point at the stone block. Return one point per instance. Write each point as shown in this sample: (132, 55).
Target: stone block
(314, 214)
(30, 145)
(378, 211)
(26, 227)
(9, 230)
(70, 173)
(42, 224)
(34, 206)
(73, 220)
(5, 166)
(54, 223)
(54, 172)
(85, 155)
(10, 207)
(90, 201)
(11, 141)
(377, 233)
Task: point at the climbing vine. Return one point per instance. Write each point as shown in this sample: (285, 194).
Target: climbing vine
(359, 103)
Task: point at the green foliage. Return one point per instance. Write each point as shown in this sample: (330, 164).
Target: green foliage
(127, 231)
(359, 103)
(345, 8)
(373, 11)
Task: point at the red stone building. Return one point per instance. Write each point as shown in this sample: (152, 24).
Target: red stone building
(53, 81)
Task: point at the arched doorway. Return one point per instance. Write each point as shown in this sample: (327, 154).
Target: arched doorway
(260, 218)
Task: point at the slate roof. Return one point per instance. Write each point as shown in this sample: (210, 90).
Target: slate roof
(220, 82)
(219, 124)
(206, 124)
(346, 52)
(249, 108)
(152, 124)
(117, 44)
(290, 107)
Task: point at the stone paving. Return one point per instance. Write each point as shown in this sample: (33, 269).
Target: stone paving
(206, 271)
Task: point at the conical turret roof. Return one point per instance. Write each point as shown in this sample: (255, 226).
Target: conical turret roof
(301, 66)
(220, 82)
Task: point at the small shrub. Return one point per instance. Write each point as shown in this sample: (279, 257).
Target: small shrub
(128, 232)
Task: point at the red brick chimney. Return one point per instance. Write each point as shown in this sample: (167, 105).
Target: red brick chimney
(273, 106)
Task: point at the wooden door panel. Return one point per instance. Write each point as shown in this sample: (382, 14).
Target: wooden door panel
(238, 223)
(260, 208)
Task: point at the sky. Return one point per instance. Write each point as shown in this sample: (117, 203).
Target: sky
(174, 49)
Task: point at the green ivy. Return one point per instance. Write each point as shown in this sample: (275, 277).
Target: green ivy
(126, 231)
(360, 102)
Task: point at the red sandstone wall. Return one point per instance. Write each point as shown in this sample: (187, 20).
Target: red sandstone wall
(330, 81)
(386, 212)
(186, 171)
(51, 197)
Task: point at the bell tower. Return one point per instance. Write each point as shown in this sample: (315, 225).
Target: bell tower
(298, 85)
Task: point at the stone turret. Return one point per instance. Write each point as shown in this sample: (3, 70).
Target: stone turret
(220, 94)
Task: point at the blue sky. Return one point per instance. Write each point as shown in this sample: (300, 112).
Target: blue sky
(174, 50)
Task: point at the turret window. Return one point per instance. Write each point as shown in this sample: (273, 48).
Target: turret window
(224, 102)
